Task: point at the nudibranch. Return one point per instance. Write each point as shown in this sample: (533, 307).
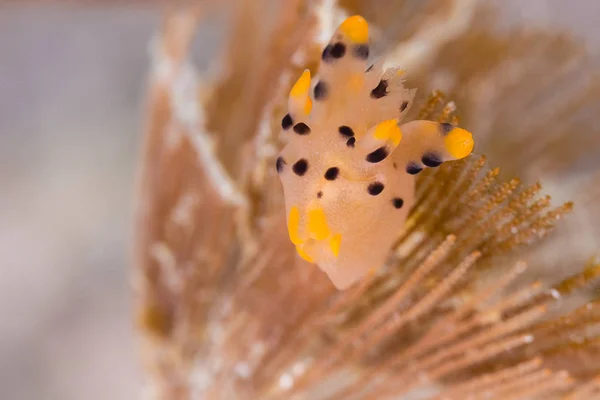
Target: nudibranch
(348, 168)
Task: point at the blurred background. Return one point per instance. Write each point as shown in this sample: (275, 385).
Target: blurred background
(72, 80)
(71, 90)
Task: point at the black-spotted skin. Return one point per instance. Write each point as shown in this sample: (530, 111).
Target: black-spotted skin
(397, 202)
(431, 159)
(341, 173)
(378, 155)
(321, 90)
(333, 52)
(346, 131)
(375, 188)
(332, 173)
(300, 167)
(280, 164)
(380, 90)
(301, 128)
(326, 55)
(413, 168)
(287, 122)
(338, 50)
(361, 51)
(446, 128)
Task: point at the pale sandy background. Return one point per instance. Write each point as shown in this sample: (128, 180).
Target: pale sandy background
(71, 82)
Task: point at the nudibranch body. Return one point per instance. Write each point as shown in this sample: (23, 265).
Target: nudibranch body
(349, 165)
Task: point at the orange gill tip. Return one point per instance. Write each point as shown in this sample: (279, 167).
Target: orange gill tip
(307, 106)
(388, 130)
(300, 92)
(317, 224)
(294, 226)
(459, 143)
(356, 29)
(302, 85)
(334, 244)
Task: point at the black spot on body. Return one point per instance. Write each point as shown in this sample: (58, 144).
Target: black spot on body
(431, 159)
(338, 50)
(378, 155)
(279, 164)
(320, 90)
(370, 68)
(380, 90)
(361, 51)
(300, 167)
(446, 128)
(413, 168)
(403, 106)
(326, 55)
(346, 131)
(333, 51)
(398, 202)
(395, 166)
(332, 173)
(375, 188)
(301, 128)
(287, 122)
(351, 142)
(319, 194)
